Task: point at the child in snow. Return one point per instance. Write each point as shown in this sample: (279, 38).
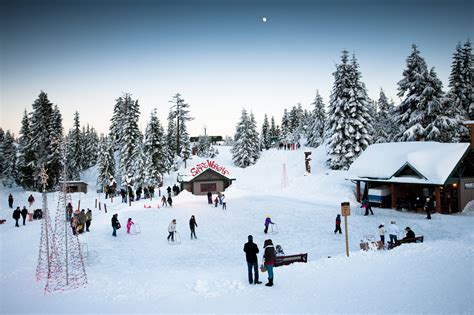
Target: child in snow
(163, 202)
(382, 233)
(129, 225)
(338, 224)
(193, 225)
(279, 251)
(268, 221)
(171, 230)
(224, 203)
(216, 202)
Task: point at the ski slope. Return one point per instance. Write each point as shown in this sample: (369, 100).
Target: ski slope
(144, 274)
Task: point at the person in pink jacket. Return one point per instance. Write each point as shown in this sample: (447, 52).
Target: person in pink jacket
(129, 225)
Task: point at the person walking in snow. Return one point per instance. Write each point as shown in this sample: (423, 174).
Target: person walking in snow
(268, 221)
(129, 225)
(209, 198)
(171, 230)
(163, 201)
(224, 203)
(69, 211)
(382, 233)
(269, 260)
(16, 216)
(216, 202)
(31, 200)
(193, 225)
(115, 224)
(24, 213)
(338, 224)
(393, 232)
(367, 207)
(74, 225)
(169, 191)
(170, 201)
(251, 251)
(82, 221)
(10, 201)
(123, 194)
(428, 208)
(88, 219)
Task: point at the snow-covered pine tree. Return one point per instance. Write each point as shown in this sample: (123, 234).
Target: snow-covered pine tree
(130, 135)
(180, 112)
(2, 138)
(26, 156)
(155, 150)
(265, 139)
(285, 125)
(384, 125)
(9, 160)
(318, 120)
(92, 148)
(349, 121)
(46, 139)
(75, 146)
(444, 117)
(105, 161)
(139, 163)
(254, 134)
(171, 135)
(116, 122)
(273, 131)
(461, 79)
(203, 146)
(246, 149)
(55, 163)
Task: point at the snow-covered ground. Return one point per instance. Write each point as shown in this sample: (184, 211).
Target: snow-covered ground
(143, 273)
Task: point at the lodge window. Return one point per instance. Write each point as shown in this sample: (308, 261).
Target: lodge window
(208, 187)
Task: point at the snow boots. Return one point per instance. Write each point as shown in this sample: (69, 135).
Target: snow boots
(270, 282)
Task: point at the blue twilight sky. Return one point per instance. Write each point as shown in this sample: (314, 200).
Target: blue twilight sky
(218, 54)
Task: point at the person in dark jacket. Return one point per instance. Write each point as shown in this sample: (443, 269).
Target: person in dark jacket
(251, 251)
(367, 207)
(209, 198)
(88, 219)
(16, 216)
(24, 213)
(169, 191)
(10, 201)
(410, 234)
(269, 260)
(193, 225)
(428, 208)
(31, 200)
(170, 201)
(338, 224)
(115, 223)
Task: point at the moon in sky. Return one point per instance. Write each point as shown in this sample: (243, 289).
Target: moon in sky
(264, 19)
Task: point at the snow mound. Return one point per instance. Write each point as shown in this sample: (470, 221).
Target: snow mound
(469, 208)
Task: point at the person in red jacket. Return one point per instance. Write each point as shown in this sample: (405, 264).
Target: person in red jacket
(338, 224)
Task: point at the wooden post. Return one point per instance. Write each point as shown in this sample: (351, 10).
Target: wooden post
(105, 208)
(438, 199)
(79, 205)
(358, 190)
(394, 196)
(96, 203)
(346, 211)
(99, 205)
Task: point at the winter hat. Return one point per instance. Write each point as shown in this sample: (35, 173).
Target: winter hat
(250, 238)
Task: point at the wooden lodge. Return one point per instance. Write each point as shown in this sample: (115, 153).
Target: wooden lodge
(74, 186)
(402, 175)
(208, 180)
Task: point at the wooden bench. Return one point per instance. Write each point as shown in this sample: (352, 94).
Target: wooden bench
(286, 260)
(417, 239)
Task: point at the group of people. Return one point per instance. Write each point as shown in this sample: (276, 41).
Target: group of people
(20, 213)
(166, 201)
(219, 200)
(172, 229)
(289, 146)
(393, 232)
(251, 250)
(116, 224)
(175, 190)
(139, 193)
(80, 220)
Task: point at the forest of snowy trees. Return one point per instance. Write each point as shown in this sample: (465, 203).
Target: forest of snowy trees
(349, 123)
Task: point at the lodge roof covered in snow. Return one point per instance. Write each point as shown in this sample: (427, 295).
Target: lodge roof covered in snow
(408, 162)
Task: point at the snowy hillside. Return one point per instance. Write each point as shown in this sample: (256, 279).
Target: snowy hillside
(143, 273)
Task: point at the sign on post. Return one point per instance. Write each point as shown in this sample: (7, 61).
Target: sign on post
(346, 211)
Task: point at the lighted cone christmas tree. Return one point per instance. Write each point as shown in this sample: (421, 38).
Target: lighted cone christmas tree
(47, 260)
(72, 273)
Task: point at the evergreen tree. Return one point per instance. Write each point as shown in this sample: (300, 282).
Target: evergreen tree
(130, 135)
(92, 146)
(285, 125)
(155, 150)
(9, 160)
(265, 135)
(55, 164)
(180, 112)
(425, 113)
(245, 151)
(384, 124)
(105, 162)
(349, 123)
(26, 156)
(139, 163)
(75, 153)
(461, 79)
(116, 125)
(2, 138)
(171, 135)
(318, 119)
(273, 130)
